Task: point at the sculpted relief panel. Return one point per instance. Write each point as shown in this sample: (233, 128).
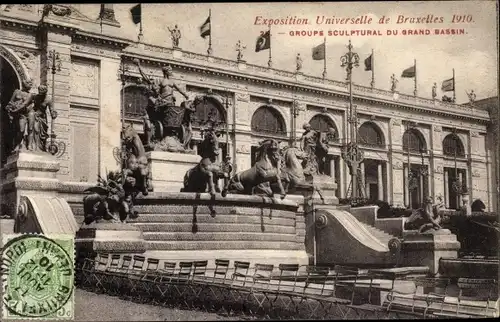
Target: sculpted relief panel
(84, 79)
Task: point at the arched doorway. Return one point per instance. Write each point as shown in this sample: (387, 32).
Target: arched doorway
(9, 82)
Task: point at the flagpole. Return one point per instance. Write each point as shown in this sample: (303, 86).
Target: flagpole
(140, 25)
(324, 59)
(270, 62)
(454, 90)
(415, 90)
(373, 71)
(209, 50)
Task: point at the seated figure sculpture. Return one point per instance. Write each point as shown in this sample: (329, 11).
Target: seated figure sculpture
(427, 218)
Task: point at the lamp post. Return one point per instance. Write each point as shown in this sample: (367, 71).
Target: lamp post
(411, 179)
(351, 153)
(54, 63)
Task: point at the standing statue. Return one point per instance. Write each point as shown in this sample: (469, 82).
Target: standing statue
(239, 50)
(18, 110)
(137, 162)
(299, 63)
(266, 170)
(37, 120)
(175, 34)
(150, 113)
(208, 171)
(309, 142)
(394, 82)
(187, 120)
(434, 91)
(472, 97)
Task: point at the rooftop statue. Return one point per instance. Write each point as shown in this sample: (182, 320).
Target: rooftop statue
(257, 179)
(167, 126)
(175, 34)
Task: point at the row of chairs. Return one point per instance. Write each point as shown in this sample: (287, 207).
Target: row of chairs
(292, 282)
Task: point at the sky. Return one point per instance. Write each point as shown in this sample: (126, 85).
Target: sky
(473, 55)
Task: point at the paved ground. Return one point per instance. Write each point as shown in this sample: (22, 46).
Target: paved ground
(99, 307)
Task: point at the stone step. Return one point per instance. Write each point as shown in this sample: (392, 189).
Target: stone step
(225, 236)
(222, 245)
(205, 218)
(213, 227)
(221, 210)
(379, 234)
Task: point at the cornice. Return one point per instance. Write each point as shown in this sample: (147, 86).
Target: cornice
(81, 36)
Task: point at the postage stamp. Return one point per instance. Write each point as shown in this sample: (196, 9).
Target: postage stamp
(38, 277)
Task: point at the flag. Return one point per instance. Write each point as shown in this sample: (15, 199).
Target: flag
(448, 85)
(409, 72)
(136, 13)
(369, 63)
(263, 42)
(205, 28)
(318, 52)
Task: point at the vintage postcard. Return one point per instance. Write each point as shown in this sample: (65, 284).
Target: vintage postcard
(206, 161)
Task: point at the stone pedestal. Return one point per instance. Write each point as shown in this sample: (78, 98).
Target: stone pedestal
(177, 52)
(28, 173)
(426, 249)
(168, 169)
(108, 238)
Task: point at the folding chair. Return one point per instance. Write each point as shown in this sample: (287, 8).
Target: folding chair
(259, 290)
(287, 276)
(481, 304)
(181, 281)
(239, 292)
(99, 273)
(218, 287)
(435, 300)
(163, 282)
(221, 270)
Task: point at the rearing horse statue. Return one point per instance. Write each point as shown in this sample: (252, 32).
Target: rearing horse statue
(257, 179)
(208, 171)
(292, 172)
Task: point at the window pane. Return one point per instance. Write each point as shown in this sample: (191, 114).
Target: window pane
(266, 120)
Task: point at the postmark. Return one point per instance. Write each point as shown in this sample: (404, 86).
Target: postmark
(38, 277)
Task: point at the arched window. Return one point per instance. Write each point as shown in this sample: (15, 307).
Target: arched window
(208, 109)
(370, 134)
(414, 139)
(267, 120)
(452, 145)
(322, 123)
(135, 101)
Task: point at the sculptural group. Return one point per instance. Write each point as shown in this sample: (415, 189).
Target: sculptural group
(28, 124)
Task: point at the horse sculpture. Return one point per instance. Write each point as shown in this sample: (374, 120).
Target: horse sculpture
(292, 172)
(258, 178)
(208, 171)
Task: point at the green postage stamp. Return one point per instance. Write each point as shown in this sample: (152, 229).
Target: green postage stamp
(38, 277)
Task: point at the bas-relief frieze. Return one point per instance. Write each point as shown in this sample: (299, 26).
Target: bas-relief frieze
(95, 50)
(84, 79)
(245, 149)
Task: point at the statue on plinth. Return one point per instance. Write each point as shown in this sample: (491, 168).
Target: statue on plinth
(434, 91)
(314, 144)
(18, 110)
(164, 122)
(208, 171)
(37, 120)
(298, 61)
(426, 219)
(257, 179)
(135, 162)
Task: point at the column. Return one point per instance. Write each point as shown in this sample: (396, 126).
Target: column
(461, 178)
(421, 177)
(363, 181)
(341, 183)
(405, 186)
(446, 191)
(332, 168)
(380, 183)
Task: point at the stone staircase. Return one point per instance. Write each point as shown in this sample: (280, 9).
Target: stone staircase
(383, 237)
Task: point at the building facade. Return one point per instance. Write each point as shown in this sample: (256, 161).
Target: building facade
(413, 147)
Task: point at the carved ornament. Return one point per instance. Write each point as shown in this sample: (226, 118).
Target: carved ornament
(476, 174)
(398, 165)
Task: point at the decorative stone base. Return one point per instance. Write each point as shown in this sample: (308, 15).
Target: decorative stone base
(108, 238)
(168, 169)
(28, 173)
(426, 249)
